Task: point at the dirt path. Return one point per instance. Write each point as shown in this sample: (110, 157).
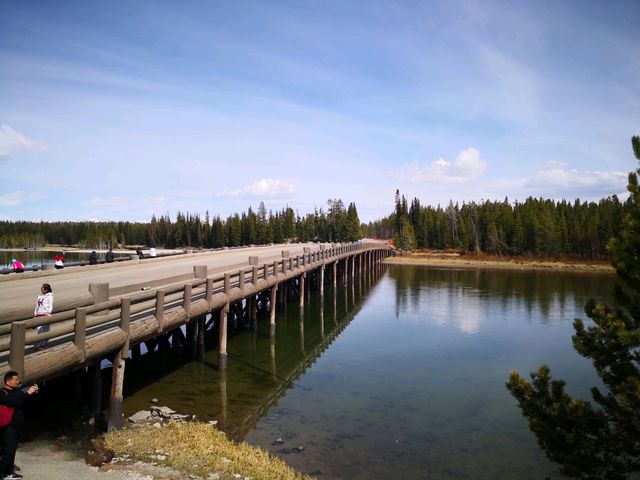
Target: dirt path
(39, 460)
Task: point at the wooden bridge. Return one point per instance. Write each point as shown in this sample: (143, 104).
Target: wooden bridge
(98, 328)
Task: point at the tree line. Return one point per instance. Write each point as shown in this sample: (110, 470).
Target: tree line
(536, 227)
(337, 224)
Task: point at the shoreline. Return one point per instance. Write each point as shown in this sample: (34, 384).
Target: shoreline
(468, 262)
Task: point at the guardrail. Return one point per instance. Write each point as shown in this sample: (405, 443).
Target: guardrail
(88, 331)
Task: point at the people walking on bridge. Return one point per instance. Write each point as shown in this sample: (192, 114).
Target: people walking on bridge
(12, 396)
(44, 308)
(109, 256)
(17, 266)
(139, 252)
(93, 258)
(58, 261)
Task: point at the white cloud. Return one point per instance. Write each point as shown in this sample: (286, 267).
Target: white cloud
(466, 166)
(12, 141)
(555, 176)
(18, 198)
(265, 187)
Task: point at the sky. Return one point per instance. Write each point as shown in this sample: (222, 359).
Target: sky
(120, 110)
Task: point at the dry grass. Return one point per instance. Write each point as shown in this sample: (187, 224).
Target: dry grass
(198, 449)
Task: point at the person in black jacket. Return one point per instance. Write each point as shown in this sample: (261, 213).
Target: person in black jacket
(109, 256)
(93, 258)
(12, 396)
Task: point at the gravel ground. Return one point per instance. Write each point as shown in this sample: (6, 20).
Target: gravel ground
(40, 460)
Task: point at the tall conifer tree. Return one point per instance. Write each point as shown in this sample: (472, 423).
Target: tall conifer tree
(601, 439)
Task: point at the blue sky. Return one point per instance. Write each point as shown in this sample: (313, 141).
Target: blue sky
(118, 110)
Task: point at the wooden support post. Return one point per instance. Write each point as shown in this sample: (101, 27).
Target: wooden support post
(160, 310)
(353, 267)
(254, 307)
(201, 328)
(222, 341)
(186, 300)
(125, 322)
(346, 270)
(95, 389)
(117, 386)
(301, 291)
(335, 274)
(192, 333)
(200, 271)
(209, 292)
(16, 354)
(80, 332)
(322, 281)
(241, 280)
(272, 313)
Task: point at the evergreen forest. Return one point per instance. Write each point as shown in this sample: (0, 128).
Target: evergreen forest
(535, 227)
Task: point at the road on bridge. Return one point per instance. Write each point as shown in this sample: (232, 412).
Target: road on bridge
(20, 291)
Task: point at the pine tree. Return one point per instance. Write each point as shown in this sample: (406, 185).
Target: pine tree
(598, 440)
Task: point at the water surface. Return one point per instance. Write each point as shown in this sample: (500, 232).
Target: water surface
(400, 375)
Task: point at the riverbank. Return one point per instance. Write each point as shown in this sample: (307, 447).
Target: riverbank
(456, 260)
(176, 451)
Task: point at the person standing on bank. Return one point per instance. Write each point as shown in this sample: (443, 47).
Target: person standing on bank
(44, 308)
(12, 396)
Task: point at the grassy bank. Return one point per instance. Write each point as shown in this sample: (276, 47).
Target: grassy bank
(198, 449)
(457, 260)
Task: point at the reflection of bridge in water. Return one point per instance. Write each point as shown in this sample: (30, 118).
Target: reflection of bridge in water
(261, 368)
(316, 331)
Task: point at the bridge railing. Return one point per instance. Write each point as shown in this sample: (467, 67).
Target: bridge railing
(89, 331)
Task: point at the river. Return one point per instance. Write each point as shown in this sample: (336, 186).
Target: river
(399, 375)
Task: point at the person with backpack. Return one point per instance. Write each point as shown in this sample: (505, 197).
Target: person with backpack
(11, 415)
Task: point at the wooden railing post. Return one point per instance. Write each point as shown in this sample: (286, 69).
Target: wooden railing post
(241, 280)
(125, 323)
(80, 333)
(209, 292)
(160, 310)
(254, 278)
(16, 355)
(186, 300)
(266, 270)
(227, 284)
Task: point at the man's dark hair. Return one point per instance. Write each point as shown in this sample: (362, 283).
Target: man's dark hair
(10, 374)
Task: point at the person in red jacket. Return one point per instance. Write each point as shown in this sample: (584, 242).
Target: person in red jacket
(17, 266)
(58, 261)
(12, 396)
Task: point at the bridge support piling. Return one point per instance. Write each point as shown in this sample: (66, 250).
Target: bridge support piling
(334, 276)
(116, 399)
(322, 281)
(191, 338)
(200, 347)
(95, 390)
(222, 342)
(301, 291)
(272, 313)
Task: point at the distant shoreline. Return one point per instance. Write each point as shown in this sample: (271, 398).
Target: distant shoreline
(509, 263)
